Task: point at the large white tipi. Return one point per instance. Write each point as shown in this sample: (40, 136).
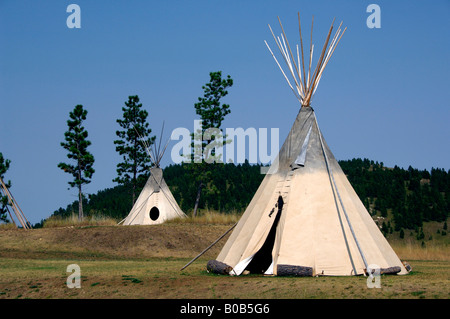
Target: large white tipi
(155, 203)
(305, 218)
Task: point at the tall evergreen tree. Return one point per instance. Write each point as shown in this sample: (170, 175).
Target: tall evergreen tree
(4, 166)
(130, 145)
(208, 107)
(212, 113)
(76, 144)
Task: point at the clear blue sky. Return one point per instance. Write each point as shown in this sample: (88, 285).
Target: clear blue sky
(384, 95)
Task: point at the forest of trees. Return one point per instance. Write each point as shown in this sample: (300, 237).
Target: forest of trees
(413, 196)
(410, 196)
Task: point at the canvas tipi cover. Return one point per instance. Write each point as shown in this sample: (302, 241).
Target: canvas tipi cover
(305, 218)
(155, 204)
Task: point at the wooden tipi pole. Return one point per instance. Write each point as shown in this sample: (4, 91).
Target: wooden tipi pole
(17, 211)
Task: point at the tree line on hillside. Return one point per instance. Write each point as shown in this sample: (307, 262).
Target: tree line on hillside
(410, 196)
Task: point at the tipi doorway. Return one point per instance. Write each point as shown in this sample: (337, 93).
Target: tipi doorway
(154, 213)
(262, 260)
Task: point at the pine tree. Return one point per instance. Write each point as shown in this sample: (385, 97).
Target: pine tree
(4, 166)
(212, 113)
(76, 143)
(420, 234)
(130, 145)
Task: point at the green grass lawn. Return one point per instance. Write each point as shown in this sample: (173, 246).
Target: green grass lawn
(161, 278)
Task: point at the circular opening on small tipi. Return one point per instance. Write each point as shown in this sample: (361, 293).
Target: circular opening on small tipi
(154, 213)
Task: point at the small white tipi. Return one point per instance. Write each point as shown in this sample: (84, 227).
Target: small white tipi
(155, 203)
(305, 218)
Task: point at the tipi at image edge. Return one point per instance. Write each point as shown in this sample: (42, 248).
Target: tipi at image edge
(305, 218)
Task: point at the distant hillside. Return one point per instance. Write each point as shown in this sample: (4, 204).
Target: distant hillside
(411, 196)
(406, 198)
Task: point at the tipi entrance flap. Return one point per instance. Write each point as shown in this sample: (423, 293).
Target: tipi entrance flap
(269, 270)
(257, 212)
(262, 256)
(259, 233)
(252, 242)
(240, 267)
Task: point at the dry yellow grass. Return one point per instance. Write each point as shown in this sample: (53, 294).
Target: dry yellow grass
(411, 249)
(7, 226)
(204, 217)
(56, 221)
(209, 217)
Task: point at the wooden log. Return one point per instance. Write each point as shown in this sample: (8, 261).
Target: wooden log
(386, 271)
(390, 270)
(290, 270)
(218, 267)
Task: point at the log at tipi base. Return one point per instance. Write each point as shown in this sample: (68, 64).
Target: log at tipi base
(289, 270)
(390, 270)
(218, 267)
